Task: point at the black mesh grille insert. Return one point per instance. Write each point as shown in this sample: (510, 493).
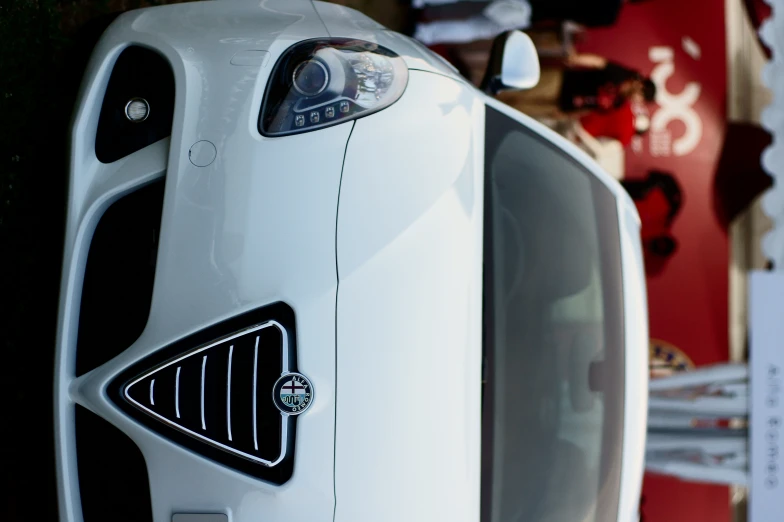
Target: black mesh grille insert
(119, 276)
(113, 479)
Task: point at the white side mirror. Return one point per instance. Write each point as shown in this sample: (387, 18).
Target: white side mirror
(513, 65)
(520, 63)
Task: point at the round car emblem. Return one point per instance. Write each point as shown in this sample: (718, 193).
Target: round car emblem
(292, 393)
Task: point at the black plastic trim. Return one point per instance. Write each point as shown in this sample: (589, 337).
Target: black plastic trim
(119, 277)
(138, 73)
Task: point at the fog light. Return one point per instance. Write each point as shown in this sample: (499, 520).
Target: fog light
(137, 110)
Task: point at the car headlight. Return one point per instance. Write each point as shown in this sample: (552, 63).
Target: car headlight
(318, 83)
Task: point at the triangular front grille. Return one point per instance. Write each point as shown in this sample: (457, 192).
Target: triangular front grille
(220, 393)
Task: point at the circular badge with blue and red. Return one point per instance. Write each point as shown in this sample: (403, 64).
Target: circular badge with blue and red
(292, 393)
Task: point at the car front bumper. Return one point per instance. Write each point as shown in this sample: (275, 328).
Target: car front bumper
(261, 224)
(254, 227)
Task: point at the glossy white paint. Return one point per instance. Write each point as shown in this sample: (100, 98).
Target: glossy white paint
(236, 239)
(384, 252)
(409, 309)
(520, 63)
(637, 339)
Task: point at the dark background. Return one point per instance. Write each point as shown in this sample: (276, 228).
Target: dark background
(35, 107)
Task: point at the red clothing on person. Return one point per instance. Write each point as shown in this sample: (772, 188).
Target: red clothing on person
(617, 124)
(654, 212)
(605, 99)
(655, 222)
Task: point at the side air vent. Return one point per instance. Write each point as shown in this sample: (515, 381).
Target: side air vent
(139, 75)
(118, 279)
(115, 487)
(213, 392)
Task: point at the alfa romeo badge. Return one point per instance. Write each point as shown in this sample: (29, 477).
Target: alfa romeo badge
(292, 393)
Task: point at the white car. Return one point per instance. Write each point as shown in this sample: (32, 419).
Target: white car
(312, 274)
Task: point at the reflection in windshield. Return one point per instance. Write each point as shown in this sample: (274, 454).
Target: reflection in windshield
(553, 397)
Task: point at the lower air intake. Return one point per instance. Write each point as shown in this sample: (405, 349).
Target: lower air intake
(113, 479)
(119, 276)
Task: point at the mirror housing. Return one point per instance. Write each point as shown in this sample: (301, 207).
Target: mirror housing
(513, 64)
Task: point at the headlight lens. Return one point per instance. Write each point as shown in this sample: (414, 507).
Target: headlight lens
(319, 83)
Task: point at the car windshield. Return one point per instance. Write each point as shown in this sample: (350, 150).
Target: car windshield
(553, 334)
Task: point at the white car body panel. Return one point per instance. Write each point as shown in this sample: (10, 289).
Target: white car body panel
(227, 255)
(635, 416)
(360, 227)
(410, 309)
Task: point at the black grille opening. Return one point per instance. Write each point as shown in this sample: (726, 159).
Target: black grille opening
(220, 394)
(119, 276)
(199, 392)
(113, 480)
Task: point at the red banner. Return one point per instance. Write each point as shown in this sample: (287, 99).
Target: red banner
(681, 46)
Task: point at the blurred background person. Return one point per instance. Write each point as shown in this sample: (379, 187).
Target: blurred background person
(659, 199)
(451, 21)
(468, 21)
(621, 123)
(582, 84)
